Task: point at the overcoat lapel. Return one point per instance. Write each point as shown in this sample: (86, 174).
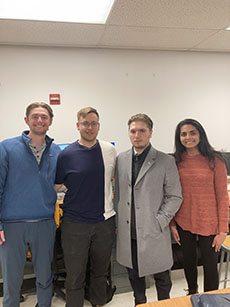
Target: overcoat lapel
(148, 163)
(129, 165)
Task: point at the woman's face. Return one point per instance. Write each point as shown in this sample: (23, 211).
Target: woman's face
(190, 137)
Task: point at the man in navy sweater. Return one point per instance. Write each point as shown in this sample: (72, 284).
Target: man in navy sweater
(27, 205)
(86, 168)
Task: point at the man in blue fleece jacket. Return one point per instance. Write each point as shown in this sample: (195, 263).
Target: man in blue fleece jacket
(27, 205)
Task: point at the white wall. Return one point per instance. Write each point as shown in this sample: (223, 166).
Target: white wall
(168, 86)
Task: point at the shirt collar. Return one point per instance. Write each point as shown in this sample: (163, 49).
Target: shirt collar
(135, 153)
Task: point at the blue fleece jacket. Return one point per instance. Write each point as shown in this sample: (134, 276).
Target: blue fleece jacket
(26, 188)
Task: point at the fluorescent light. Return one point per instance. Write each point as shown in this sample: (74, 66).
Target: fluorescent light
(228, 28)
(82, 11)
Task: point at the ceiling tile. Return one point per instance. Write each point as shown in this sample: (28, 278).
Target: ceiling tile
(136, 24)
(49, 33)
(218, 42)
(134, 37)
(208, 14)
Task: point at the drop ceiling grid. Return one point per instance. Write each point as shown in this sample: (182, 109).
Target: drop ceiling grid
(136, 24)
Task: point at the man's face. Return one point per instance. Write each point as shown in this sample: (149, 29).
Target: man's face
(38, 121)
(139, 135)
(88, 127)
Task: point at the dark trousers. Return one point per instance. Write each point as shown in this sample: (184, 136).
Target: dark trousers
(208, 255)
(162, 280)
(79, 242)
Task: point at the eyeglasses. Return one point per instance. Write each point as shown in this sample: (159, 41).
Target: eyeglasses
(87, 124)
(36, 117)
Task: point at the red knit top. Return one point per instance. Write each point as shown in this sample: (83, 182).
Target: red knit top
(205, 206)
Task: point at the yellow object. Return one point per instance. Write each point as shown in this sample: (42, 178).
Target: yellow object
(58, 213)
(57, 216)
(227, 242)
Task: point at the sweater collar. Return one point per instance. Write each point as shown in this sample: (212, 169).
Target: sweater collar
(27, 139)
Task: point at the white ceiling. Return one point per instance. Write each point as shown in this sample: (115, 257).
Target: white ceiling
(190, 25)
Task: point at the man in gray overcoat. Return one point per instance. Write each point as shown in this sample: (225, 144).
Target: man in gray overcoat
(147, 196)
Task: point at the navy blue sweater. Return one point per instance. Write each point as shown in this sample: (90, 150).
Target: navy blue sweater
(87, 173)
(81, 169)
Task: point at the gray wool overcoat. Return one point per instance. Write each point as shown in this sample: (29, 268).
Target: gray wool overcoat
(157, 197)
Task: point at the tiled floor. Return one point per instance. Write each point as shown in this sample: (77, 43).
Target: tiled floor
(126, 299)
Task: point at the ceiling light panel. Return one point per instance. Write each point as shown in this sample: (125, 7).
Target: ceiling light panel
(80, 11)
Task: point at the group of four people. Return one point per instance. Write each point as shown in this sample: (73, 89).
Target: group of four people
(147, 199)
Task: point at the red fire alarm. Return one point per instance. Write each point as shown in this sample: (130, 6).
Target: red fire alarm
(55, 99)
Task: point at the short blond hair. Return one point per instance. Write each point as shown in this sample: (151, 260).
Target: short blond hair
(39, 105)
(141, 118)
(85, 111)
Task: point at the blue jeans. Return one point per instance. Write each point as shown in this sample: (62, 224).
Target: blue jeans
(39, 237)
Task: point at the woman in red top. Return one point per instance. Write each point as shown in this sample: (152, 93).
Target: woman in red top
(204, 214)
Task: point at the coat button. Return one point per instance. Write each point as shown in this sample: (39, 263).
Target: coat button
(128, 203)
(127, 222)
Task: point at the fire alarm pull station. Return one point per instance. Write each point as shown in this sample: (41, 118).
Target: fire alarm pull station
(55, 99)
